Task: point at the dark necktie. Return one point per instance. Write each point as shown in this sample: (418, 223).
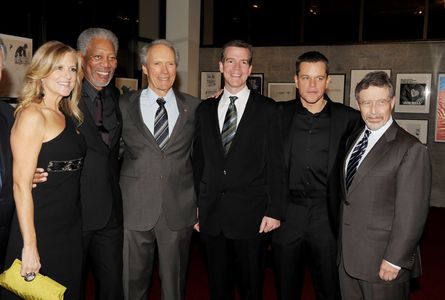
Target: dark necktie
(229, 126)
(98, 118)
(356, 155)
(161, 125)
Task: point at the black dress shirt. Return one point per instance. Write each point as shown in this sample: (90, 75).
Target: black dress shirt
(309, 153)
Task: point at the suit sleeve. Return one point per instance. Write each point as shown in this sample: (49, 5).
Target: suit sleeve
(197, 153)
(275, 168)
(411, 206)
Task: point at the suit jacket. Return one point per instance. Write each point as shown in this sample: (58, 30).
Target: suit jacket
(6, 196)
(100, 194)
(236, 191)
(343, 122)
(153, 180)
(385, 208)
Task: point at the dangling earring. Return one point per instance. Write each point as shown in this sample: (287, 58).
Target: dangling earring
(41, 92)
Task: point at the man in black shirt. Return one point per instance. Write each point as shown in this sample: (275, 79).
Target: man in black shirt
(315, 130)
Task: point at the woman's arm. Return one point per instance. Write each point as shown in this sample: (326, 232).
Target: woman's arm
(27, 136)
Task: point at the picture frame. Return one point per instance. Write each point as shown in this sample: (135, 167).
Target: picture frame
(210, 83)
(336, 87)
(356, 77)
(281, 91)
(417, 128)
(439, 130)
(255, 82)
(126, 85)
(413, 93)
(17, 61)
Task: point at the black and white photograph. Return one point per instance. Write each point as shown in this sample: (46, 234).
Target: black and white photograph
(413, 93)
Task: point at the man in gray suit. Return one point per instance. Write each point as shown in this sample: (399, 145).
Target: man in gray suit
(387, 181)
(156, 177)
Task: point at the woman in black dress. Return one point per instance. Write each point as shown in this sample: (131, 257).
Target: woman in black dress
(46, 228)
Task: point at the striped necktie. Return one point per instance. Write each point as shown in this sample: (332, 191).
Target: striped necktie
(161, 125)
(229, 126)
(356, 155)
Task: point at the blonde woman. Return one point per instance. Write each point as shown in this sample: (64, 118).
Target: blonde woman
(46, 228)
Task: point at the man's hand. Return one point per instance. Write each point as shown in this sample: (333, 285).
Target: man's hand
(387, 272)
(268, 224)
(39, 176)
(196, 226)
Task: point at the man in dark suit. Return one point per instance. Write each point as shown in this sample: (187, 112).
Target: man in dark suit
(315, 130)
(240, 174)
(157, 177)
(386, 190)
(99, 184)
(6, 197)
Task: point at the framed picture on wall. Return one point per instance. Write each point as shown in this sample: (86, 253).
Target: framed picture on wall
(126, 85)
(413, 93)
(418, 128)
(210, 83)
(255, 82)
(17, 61)
(281, 91)
(439, 134)
(336, 87)
(356, 77)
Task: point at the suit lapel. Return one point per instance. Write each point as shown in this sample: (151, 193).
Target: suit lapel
(377, 152)
(184, 111)
(135, 114)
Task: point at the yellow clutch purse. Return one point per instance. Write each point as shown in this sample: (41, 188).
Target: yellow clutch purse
(41, 288)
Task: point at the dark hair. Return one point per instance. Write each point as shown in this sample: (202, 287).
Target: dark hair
(378, 79)
(311, 57)
(239, 44)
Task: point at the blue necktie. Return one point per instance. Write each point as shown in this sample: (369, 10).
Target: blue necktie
(161, 125)
(356, 155)
(229, 126)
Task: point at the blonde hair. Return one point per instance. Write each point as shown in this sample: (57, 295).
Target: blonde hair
(43, 63)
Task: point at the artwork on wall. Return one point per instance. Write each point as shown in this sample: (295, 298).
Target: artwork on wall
(356, 77)
(413, 93)
(255, 82)
(210, 84)
(336, 88)
(418, 128)
(17, 60)
(126, 85)
(439, 135)
(281, 91)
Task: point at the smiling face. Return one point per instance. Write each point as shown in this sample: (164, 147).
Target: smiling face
(376, 106)
(61, 81)
(160, 69)
(99, 62)
(236, 68)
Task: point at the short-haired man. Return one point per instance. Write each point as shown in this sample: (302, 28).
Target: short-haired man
(240, 174)
(315, 130)
(157, 176)
(386, 188)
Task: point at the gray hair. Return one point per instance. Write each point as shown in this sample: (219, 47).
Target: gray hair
(84, 39)
(377, 79)
(144, 50)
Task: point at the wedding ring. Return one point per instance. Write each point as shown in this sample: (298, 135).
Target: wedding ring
(29, 276)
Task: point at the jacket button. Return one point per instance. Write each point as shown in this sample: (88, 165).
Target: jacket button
(347, 203)
(225, 172)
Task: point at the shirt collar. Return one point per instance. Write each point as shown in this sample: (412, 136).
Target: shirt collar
(153, 96)
(379, 132)
(243, 94)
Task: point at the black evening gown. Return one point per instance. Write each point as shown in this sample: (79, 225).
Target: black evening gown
(57, 213)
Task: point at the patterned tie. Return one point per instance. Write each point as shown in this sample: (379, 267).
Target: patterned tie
(356, 155)
(161, 125)
(229, 126)
(98, 118)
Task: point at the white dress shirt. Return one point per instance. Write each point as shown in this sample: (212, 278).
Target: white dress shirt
(149, 106)
(240, 105)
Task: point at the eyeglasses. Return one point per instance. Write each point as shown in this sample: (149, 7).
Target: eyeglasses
(370, 103)
(99, 58)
